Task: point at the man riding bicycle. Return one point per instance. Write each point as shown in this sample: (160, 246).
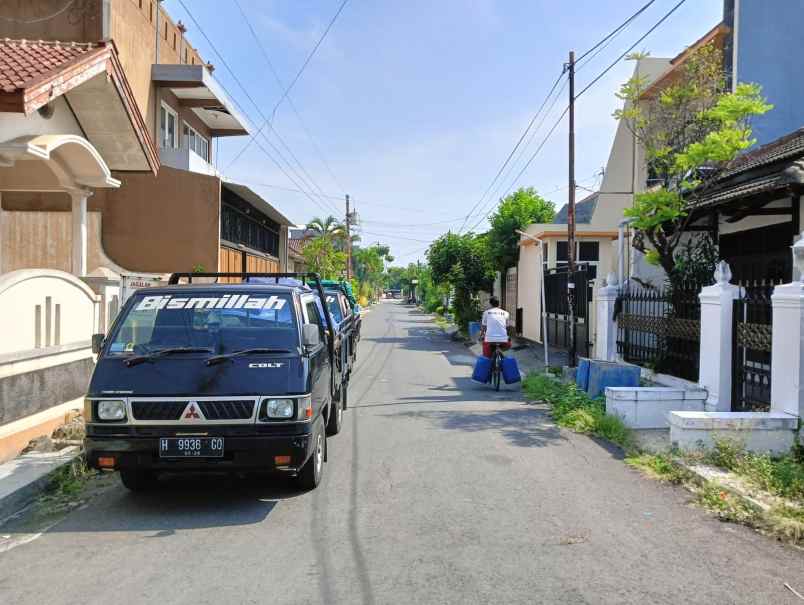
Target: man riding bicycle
(495, 327)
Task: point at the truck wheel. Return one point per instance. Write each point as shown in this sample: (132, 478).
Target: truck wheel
(335, 419)
(310, 475)
(138, 481)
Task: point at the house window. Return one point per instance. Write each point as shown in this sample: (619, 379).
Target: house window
(151, 13)
(185, 54)
(174, 40)
(196, 142)
(586, 253)
(140, 4)
(169, 131)
(166, 28)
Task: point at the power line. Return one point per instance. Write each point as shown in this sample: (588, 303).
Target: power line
(286, 95)
(630, 48)
(602, 43)
(496, 197)
(587, 87)
(494, 200)
(510, 155)
(259, 110)
(293, 83)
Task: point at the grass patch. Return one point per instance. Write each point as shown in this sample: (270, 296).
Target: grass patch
(659, 466)
(68, 482)
(572, 408)
(781, 476)
(727, 506)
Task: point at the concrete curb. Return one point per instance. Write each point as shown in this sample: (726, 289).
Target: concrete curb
(23, 479)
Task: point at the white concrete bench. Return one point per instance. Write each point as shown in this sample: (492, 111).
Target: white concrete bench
(647, 407)
(760, 432)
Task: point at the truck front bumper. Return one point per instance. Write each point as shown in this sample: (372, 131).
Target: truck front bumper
(241, 453)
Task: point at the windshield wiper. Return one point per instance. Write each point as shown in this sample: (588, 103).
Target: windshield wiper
(133, 361)
(211, 361)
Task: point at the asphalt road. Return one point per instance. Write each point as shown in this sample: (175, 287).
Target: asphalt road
(437, 491)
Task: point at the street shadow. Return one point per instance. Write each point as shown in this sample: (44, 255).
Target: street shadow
(522, 427)
(182, 503)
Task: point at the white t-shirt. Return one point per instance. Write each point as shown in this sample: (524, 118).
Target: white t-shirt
(496, 321)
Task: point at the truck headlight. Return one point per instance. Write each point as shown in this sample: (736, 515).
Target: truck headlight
(111, 410)
(279, 408)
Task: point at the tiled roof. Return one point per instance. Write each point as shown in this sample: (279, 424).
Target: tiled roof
(784, 148)
(583, 211)
(297, 245)
(25, 62)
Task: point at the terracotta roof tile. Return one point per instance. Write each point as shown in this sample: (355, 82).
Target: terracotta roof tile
(23, 62)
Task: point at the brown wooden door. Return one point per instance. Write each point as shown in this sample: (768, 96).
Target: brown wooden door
(230, 261)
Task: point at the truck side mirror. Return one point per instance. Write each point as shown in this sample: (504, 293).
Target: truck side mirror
(97, 343)
(311, 337)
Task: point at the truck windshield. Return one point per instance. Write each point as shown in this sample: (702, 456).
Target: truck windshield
(217, 321)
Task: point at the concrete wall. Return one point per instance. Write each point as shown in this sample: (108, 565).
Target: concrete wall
(767, 46)
(161, 224)
(82, 23)
(40, 308)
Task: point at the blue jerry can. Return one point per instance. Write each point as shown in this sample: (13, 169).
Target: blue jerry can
(510, 370)
(482, 371)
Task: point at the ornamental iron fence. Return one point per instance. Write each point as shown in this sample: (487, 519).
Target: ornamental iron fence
(660, 328)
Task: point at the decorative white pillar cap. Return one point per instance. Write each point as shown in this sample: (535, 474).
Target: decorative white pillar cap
(798, 256)
(611, 279)
(722, 273)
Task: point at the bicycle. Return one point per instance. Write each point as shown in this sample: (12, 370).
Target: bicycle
(496, 365)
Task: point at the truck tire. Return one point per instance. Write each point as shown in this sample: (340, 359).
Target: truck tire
(138, 480)
(335, 420)
(310, 475)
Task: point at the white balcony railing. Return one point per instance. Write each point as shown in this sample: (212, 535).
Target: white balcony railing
(186, 159)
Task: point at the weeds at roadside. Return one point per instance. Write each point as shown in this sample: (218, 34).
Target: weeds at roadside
(572, 408)
(67, 484)
(659, 466)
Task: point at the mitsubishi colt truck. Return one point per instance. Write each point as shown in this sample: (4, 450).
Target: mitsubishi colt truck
(216, 377)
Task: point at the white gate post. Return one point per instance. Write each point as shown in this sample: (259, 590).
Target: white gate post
(717, 309)
(606, 327)
(787, 344)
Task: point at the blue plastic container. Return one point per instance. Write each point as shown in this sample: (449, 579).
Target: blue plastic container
(510, 370)
(482, 371)
(474, 330)
(604, 374)
(582, 373)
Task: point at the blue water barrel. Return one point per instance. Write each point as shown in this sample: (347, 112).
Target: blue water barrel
(510, 370)
(482, 371)
(474, 330)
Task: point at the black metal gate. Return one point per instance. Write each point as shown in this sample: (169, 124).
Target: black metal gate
(752, 330)
(660, 328)
(557, 286)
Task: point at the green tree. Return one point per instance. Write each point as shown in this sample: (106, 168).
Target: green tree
(321, 257)
(690, 131)
(462, 261)
(328, 228)
(516, 211)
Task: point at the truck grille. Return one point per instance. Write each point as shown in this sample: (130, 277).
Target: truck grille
(227, 410)
(213, 410)
(157, 410)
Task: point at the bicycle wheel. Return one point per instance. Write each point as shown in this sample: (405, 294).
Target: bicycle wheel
(497, 370)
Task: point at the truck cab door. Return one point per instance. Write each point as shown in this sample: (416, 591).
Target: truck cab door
(318, 358)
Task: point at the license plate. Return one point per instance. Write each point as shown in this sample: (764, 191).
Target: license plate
(191, 447)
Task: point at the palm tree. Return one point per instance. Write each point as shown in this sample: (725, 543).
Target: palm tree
(328, 228)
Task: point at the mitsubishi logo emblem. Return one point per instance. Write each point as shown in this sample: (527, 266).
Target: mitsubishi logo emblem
(192, 412)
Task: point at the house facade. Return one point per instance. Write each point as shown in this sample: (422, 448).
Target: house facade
(183, 215)
(108, 118)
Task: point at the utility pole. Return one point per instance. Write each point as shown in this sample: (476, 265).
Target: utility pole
(348, 242)
(571, 294)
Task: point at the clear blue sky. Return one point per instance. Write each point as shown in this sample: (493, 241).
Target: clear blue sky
(416, 104)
